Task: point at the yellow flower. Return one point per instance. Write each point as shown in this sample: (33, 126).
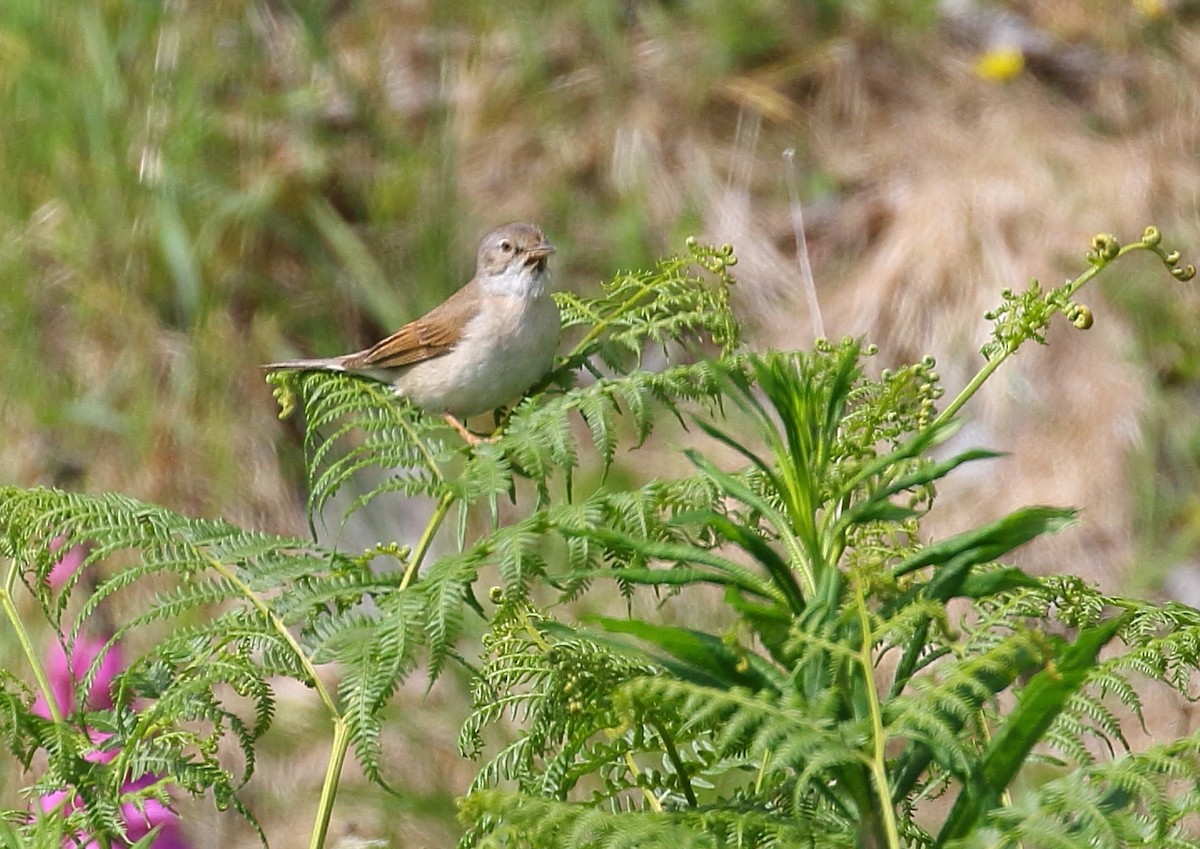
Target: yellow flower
(1151, 9)
(1000, 64)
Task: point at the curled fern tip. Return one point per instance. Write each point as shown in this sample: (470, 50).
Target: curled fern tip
(284, 392)
(1105, 248)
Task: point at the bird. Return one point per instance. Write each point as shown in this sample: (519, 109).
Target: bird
(483, 346)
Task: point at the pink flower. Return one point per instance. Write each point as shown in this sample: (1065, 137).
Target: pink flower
(65, 674)
(138, 821)
(65, 671)
(68, 564)
(61, 803)
(152, 813)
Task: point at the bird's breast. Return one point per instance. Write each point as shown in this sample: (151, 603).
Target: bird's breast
(504, 350)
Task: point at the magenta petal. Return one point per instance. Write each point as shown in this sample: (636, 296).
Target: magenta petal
(87, 649)
(68, 564)
(100, 754)
(154, 813)
(62, 684)
(54, 802)
(171, 837)
(61, 803)
(63, 675)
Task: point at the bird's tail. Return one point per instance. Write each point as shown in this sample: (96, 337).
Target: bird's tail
(325, 364)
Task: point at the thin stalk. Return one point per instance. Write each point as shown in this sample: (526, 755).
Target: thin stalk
(386, 399)
(280, 628)
(653, 801)
(762, 772)
(676, 761)
(534, 635)
(996, 361)
(31, 655)
(806, 273)
(971, 388)
(341, 731)
(878, 758)
(426, 540)
(333, 774)
(602, 325)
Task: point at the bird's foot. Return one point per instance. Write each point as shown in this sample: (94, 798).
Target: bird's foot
(468, 437)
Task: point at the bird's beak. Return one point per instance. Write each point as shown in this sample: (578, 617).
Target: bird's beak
(539, 251)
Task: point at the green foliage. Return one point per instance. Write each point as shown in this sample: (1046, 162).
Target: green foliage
(759, 726)
(842, 699)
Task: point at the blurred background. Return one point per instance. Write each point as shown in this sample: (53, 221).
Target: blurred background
(190, 189)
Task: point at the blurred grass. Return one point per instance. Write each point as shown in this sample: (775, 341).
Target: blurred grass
(1166, 471)
(192, 189)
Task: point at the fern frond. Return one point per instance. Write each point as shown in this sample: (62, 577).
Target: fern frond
(1137, 799)
(225, 628)
(670, 303)
(354, 423)
(501, 819)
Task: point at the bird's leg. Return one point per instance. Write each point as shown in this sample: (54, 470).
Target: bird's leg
(468, 437)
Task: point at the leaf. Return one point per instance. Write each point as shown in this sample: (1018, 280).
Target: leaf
(752, 542)
(964, 688)
(989, 542)
(877, 505)
(727, 571)
(979, 585)
(1024, 727)
(703, 655)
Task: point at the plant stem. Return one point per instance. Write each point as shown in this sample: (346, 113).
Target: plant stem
(426, 540)
(651, 799)
(600, 326)
(31, 655)
(333, 774)
(341, 731)
(994, 363)
(878, 764)
(676, 761)
(533, 632)
(971, 388)
(386, 401)
(280, 628)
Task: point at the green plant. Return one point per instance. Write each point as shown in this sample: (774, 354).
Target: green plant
(841, 701)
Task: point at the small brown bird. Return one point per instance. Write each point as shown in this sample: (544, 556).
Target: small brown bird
(481, 347)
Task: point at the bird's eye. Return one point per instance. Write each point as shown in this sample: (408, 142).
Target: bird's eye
(506, 246)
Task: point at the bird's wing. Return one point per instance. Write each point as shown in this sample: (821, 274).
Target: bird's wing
(429, 336)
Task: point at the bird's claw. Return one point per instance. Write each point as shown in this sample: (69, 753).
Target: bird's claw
(470, 438)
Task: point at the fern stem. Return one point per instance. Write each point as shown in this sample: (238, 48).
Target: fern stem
(280, 628)
(971, 388)
(676, 761)
(430, 461)
(426, 540)
(985, 733)
(651, 799)
(31, 655)
(995, 362)
(333, 775)
(878, 764)
(534, 634)
(762, 771)
(600, 326)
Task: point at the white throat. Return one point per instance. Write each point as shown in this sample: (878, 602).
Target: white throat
(517, 280)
